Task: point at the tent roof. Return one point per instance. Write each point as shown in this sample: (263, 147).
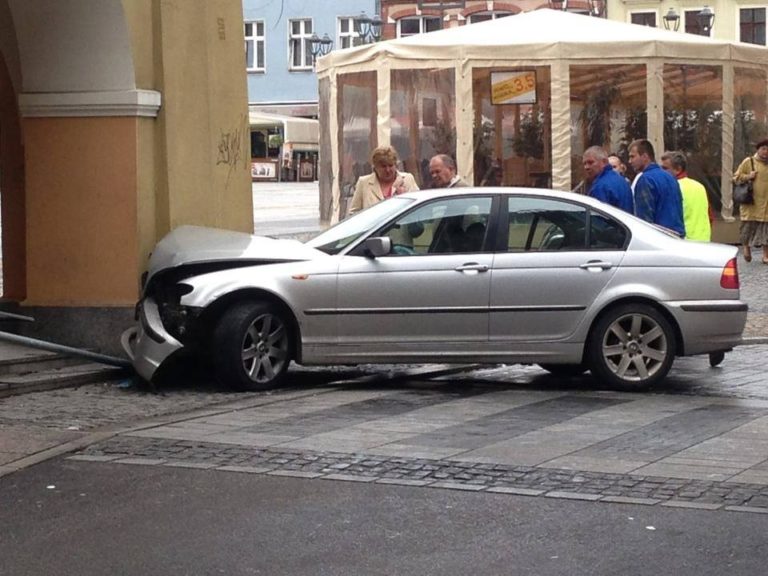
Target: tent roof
(546, 34)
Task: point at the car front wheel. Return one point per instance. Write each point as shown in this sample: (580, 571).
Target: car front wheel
(251, 344)
(632, 347)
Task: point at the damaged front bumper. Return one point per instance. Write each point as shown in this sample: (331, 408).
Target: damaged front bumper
(148, 345)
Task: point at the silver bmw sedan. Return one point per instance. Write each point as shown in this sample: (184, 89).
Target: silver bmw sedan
(486, 275)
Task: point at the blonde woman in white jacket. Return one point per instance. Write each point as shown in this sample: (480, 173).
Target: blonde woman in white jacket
(385, 180)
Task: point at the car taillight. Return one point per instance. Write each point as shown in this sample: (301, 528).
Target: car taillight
(730, 277)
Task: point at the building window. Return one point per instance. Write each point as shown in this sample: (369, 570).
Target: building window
(752, 25)
(348, 37)
(484, 16)
(254, 46)
(299, 45)
(644, 18)
(693, 23)
(417, 25)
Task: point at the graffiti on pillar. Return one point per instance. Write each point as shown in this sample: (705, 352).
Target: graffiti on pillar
(231, 148)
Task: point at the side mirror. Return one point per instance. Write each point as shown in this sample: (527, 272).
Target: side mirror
(378, 246)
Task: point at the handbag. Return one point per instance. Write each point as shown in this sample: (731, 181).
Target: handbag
(744, 193)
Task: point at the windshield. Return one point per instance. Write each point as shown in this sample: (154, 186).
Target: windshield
(338, 237)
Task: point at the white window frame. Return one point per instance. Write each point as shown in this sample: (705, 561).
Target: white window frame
(302, 37)
(738, 21)
(422, 24)
(351, 37)
(258, 44)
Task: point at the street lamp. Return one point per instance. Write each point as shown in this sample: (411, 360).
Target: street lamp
(320, 46)
(369, 29)
(672, 20)
(706, 19)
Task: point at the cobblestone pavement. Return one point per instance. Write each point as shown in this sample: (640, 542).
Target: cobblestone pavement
(701, 441)
(754, 290)
(652, 449)
(459, 475)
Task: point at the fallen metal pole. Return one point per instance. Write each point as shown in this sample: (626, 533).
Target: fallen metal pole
(68, 350)
(12, 316)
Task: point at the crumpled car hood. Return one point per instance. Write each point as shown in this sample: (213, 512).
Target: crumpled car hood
(198, 244)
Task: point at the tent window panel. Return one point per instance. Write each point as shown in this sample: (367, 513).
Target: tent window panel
(356, 105)
(513, 142)
(750, 125)
(693, 120)
(423, 107)
(325, 169)
(608, 109)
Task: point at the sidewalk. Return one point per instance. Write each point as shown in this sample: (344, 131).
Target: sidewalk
(286, 209)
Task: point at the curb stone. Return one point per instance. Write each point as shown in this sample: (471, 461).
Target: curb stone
(442, 474)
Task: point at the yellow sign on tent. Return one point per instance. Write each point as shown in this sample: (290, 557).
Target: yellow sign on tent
(513, 87)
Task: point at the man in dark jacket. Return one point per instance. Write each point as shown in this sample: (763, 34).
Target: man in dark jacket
(657, 194)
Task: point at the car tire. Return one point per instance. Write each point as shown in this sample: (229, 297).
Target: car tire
(565, 370)
(631, 347)
(252, 346)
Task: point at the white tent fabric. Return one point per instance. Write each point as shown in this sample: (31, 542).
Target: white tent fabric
(301, 133)
(548, 34)
(543, 38)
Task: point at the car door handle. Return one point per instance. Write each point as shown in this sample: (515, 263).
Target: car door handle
(472, 267)
(596, 264)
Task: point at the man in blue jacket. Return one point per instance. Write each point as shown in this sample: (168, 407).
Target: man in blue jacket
(604, 182)
(657, 194)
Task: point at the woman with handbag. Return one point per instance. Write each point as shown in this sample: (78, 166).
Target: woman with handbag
(753, 229)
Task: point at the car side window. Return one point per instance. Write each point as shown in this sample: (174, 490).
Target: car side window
(445, 226)
(605, 233)
(542, 225)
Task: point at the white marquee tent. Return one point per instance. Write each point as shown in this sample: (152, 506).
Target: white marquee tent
(541, 38)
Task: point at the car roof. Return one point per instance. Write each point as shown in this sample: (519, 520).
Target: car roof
(507, 190)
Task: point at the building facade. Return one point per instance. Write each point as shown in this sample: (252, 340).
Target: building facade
(119, 121)
(406, 18)
(731, 20)
(279, 49)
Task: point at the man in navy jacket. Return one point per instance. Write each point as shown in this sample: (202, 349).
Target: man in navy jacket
(657, 194)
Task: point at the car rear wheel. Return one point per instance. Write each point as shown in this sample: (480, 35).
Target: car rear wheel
(565, 370)
(631, 347)
(252, 344)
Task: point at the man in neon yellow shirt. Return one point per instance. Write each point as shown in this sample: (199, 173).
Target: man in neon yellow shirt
(696, 213)
(695, 202)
